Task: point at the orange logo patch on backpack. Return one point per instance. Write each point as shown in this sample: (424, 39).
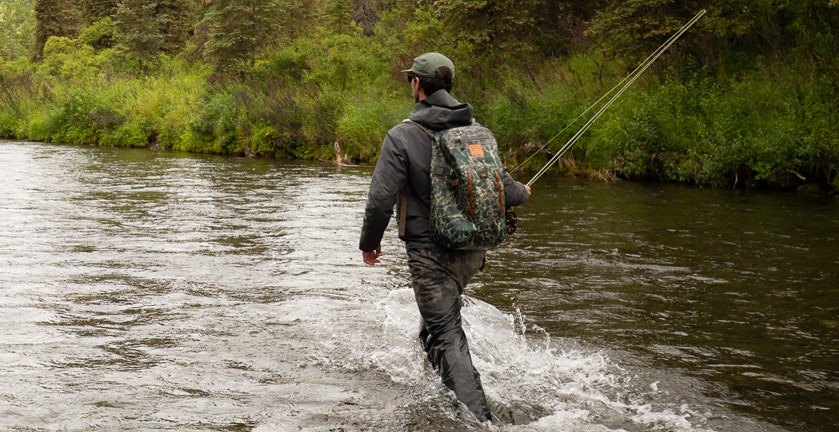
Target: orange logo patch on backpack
(476, 150)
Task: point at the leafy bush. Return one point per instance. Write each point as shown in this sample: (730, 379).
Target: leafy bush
(362, 127)
(213, 128)
(749, 115)
(750, 132)
(21, 92)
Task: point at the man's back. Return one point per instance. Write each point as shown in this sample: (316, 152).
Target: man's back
(404, 164)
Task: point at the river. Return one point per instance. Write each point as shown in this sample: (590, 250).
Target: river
(145, 290)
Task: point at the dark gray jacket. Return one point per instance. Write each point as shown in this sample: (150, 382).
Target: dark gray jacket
(403, 165)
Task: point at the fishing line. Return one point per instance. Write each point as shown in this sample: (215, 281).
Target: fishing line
(627, 81)
(590, 107)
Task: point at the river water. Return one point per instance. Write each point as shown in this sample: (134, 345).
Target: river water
(148, 291)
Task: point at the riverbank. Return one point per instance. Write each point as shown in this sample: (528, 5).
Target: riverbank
(753, 121)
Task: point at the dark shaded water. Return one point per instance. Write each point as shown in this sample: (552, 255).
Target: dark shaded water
(155, 291)
(736, 288)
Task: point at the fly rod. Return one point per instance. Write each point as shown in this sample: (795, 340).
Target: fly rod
(629, 80)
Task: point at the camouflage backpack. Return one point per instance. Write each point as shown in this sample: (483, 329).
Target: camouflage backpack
(467, 191)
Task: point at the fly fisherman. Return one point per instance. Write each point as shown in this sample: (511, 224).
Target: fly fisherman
(438, 275)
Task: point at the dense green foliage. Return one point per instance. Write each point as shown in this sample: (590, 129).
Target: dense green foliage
(746, 98)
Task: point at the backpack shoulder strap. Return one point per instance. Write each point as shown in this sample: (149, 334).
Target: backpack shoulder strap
(428, 131)
(424, 129)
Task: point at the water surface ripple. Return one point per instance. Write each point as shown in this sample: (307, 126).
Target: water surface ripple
(156, 291)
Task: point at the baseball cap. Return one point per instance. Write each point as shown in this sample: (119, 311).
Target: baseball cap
(427, 64)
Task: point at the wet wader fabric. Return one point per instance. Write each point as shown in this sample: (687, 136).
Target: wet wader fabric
(439, 277)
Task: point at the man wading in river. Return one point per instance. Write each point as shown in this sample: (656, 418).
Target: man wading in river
(438, 274)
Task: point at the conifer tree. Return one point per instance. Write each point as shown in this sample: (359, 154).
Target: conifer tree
(17, 22)
(54, 18)
(94, 10)
(339, 16)
(139, 29)
(176, 18)
(237, 31)
(365, 15)
(491, 26)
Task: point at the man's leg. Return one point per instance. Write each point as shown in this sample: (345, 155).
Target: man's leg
(439, 278)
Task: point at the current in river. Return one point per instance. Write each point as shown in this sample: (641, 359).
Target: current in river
(144, 290)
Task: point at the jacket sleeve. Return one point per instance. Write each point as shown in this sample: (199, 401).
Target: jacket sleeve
(514, 191)
(389, 179)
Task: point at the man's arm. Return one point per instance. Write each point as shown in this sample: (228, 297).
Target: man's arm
(516, 193)
(389, 177)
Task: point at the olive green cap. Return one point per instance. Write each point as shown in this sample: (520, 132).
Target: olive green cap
(427, 64)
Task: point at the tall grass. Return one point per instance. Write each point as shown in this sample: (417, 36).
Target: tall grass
(131, 111)
(758, 131)
(772, 126)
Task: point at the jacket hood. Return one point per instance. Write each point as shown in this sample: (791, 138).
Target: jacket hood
(441, 111)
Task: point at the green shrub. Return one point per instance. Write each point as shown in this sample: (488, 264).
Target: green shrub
(213, 128)
(759, 131)
(125, 135)
(362, 127)
(767, 122)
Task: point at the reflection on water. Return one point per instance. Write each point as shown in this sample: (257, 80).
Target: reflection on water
(155, 291)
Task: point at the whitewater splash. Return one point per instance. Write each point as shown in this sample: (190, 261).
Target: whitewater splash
(533, 383)
(145, 291)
